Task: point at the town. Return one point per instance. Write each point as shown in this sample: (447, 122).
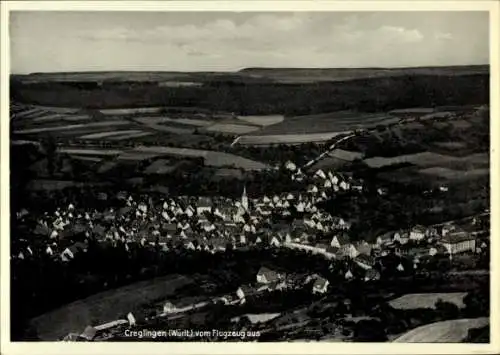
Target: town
(218, 176)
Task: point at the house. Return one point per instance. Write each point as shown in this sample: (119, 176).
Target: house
(401, 237)
(364, 247)
(244, 291)
(418, 233)
(290, 166)
(340, 240)
(204, 204)
(320, 285)
(320, 174)
(320, 248)
(267, 276)
(169, 307)
(275, 241)
(385, 238)
(458, 242)
(349, 250)
(365, 261)
(71, 251)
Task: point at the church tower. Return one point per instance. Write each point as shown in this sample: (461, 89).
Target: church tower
(244, 199)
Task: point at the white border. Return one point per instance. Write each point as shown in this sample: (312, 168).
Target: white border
(248, 348)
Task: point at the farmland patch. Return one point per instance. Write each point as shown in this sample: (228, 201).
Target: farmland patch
(323, 123)
(262, 120)
(130, 111)
(160, 166)
(101, 135)
(212, 158)
(427, 300)
(63, 117)
(231, 128)
(451, 331)
(288, 138)
(71, 127)
(83, 152)
(186, 121)
(131, 136)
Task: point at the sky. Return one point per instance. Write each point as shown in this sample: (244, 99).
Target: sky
(50, 41)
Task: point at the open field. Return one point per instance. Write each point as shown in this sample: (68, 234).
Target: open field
(104, 307)
(97, 152)
(212, 158)
(160, 120)
(130, 111)
(71, 127)
(131, 136)
(160, 166)
(231, 128)
(262, 120)
(451, 331)
(326, 123)
(287, 138)
(104, 135)
(427, 300)
(62, 117)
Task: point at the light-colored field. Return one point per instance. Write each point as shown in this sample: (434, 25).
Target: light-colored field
(455, 174)
(131, 136)
(83, 152)
(212, 158)
(231, 128)
(427, 300)
(130, 111)
(105, 306)
(262, 120)
(451, 331)
(186, 121)
(100, 135)
(262, 317)
(288, 138)
(71, 127)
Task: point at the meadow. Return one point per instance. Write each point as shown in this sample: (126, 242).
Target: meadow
(427, 300)
(450, 331)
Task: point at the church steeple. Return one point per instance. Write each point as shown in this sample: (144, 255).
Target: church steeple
(244, 199)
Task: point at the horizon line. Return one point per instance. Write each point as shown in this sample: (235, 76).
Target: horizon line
(249, 68)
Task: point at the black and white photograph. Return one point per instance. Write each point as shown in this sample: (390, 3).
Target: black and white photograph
(248, 176)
